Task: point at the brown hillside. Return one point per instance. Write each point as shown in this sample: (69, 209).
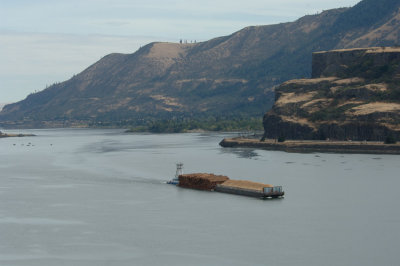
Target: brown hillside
(226, 77)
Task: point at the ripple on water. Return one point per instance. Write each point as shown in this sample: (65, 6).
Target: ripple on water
(38, 221)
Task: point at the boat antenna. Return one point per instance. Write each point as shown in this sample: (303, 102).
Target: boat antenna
(179, 169)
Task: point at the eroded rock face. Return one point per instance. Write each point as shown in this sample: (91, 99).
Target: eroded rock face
(347, 63)
(354, 94)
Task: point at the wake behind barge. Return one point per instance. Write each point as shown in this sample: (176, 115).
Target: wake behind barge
(220, 183)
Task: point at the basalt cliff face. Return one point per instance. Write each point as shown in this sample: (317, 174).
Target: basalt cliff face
(353, 94)
(226, 77)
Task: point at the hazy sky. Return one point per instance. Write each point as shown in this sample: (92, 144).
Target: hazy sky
(47, 41)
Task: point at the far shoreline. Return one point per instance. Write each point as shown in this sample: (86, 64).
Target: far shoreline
(313, 146)
(7, 135)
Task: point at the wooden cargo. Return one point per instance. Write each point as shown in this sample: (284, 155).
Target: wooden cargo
(201, 181)
(244, 184)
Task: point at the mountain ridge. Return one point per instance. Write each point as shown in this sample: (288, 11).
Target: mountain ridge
(229, 76)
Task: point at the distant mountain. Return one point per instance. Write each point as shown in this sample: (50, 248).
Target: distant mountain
(227, 77)
(2, 105)
(354, 95)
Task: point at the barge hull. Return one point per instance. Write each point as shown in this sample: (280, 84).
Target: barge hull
(248, 192)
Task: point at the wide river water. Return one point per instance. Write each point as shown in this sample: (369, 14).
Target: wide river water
(98, 197)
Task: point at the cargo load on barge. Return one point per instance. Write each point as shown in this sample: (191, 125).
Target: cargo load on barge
(221, 183)
(201, 181)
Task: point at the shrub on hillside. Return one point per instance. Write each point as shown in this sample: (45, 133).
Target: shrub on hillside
(390, 140)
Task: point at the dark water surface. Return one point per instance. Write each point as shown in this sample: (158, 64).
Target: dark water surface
(97, 197)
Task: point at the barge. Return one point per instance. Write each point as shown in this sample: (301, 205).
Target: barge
(250, 189)
(220, 183)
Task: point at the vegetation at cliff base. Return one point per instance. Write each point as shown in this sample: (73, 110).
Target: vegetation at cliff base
(281, 139)
(390, 140)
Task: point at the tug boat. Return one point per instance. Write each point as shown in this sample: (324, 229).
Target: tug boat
(179, 171)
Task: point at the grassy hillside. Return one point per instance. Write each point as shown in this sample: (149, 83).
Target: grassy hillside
(225, 78)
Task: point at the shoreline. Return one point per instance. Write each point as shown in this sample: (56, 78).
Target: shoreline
(6, 135)
(310, 146)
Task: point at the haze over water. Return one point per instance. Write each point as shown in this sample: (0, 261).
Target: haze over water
(97, 197)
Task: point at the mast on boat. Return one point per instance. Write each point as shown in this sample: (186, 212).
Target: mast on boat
(179, 170)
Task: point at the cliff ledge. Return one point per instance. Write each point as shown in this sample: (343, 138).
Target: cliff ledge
(354, 94)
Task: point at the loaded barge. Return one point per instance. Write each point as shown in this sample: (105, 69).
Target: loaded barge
(220, 183)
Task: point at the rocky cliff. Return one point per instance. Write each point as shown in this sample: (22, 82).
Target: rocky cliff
(354, 94)
(226, 77)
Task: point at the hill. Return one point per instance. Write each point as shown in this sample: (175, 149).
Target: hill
(231, 77)
(354, 95)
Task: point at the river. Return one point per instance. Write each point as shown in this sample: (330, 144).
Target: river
(97, 197)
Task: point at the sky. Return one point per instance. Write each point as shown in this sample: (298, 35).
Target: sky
(47, 41)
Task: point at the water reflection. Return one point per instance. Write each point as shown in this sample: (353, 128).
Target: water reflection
(244, 153)
(106, 146)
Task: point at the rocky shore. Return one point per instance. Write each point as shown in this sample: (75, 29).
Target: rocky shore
(306, 146)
